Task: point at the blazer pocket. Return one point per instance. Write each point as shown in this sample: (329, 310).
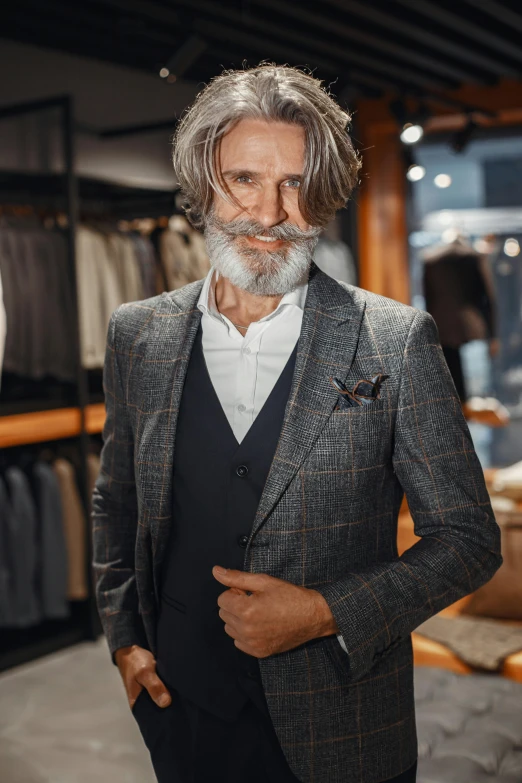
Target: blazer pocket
(355, 409)
(174, 603)
(339, 658)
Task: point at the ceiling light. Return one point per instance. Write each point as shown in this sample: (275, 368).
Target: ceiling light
(415, 172)
(463, 136)
(511, 247)
(442, 180)
(411, 134)
(164, 73)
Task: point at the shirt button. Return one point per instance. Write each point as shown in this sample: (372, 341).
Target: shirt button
(242, 471)
(241, 408)
(242, 541)
(247, 351)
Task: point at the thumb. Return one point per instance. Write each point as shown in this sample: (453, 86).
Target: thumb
(242, 579)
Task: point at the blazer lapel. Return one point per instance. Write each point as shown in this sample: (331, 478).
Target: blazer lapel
(169, 345)
(326, 348)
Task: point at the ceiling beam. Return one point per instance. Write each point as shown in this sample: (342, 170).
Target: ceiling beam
(499, 12)
(464, 26)
(270, 48)
(404, 75)
(452, 73)
(419, 34)
(160, 13)
(340, 53)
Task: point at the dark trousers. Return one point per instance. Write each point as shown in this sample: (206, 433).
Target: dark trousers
(190, 745)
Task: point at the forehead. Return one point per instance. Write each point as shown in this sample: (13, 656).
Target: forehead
(277, 145)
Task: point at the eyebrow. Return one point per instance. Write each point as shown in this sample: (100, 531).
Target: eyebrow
(230, 173)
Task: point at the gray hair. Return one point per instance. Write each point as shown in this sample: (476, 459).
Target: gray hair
(273, 93)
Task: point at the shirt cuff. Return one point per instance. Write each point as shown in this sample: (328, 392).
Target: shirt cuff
(341, 642)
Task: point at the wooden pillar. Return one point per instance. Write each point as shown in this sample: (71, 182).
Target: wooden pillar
(381, 199)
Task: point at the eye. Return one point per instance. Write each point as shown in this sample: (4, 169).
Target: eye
(293, 183)
(243, 177)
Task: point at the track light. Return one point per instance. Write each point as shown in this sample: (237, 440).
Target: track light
(411, 134)
(414, 171)
(183, 58)
(463, 136)
(410, 122)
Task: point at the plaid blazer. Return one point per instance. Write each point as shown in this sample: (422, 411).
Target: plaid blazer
(327, 518)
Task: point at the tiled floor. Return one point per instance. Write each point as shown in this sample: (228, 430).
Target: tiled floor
(65, 719)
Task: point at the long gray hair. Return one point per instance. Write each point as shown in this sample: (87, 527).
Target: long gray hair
(273, 93)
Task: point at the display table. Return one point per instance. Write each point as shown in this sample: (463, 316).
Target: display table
(429, 653)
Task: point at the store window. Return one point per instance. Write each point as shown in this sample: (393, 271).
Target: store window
(465, 239)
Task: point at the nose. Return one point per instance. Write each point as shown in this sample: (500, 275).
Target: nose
(268, 208)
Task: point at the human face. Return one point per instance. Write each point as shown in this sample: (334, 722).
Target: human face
(261, 163)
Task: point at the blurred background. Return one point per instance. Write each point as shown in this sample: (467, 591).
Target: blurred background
(90, 217)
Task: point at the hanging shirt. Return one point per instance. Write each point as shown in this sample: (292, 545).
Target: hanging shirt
(245, 369)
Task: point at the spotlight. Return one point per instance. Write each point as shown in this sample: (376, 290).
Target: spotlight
(511, 247)
(187, 54)
(410, 122)
(442, 180)
(411, 134)
(415, 172)
(164, 73)
(463, 136)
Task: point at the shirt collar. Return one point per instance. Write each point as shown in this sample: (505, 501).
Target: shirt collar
(207, 299)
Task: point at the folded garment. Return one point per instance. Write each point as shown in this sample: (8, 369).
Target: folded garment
(483, 644)
(508, 481)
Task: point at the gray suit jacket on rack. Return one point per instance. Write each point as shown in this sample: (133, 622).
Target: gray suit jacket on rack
(327, 518)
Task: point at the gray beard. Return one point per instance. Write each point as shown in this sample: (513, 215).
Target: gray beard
(260, 272)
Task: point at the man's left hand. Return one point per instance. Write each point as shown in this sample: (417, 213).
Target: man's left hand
(276, 617)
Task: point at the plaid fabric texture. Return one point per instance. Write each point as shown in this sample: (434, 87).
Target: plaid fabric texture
(327, 518)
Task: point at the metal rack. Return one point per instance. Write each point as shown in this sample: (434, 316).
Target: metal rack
(68, 194)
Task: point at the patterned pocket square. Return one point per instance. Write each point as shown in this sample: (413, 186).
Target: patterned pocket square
(363, 393)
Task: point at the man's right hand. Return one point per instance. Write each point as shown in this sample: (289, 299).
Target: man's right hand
(138, 670)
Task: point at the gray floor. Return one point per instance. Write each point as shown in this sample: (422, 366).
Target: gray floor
(65, 719)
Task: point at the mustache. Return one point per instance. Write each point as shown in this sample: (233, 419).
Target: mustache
(250, 228)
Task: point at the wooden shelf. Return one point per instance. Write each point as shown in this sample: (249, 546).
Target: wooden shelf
(94, 418)
(41, 426)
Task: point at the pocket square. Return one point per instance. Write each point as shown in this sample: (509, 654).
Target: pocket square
(364, 392)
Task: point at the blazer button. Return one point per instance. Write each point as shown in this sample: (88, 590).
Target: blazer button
(242, 541)
(242, 471)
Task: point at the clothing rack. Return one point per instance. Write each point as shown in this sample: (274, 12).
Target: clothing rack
(65, 197)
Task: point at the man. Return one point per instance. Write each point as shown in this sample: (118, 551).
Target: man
(267, 421)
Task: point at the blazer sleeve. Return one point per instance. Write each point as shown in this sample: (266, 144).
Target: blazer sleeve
(115, 513)
(459, 549)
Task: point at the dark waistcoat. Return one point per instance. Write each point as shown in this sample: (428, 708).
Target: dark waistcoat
(217, 485)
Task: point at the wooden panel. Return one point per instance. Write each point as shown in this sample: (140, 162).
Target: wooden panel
(25, 428)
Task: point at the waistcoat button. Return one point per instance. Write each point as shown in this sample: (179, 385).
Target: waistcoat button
(242, 471)
(242, 541)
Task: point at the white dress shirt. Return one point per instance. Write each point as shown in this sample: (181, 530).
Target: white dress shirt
(245, 369)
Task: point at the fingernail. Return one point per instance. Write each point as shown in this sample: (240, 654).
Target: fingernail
(163, 700)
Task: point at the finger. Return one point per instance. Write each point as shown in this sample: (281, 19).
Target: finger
(156, 688)
(242, 579)
(228, 617)
(134, 697)
(239, 607)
